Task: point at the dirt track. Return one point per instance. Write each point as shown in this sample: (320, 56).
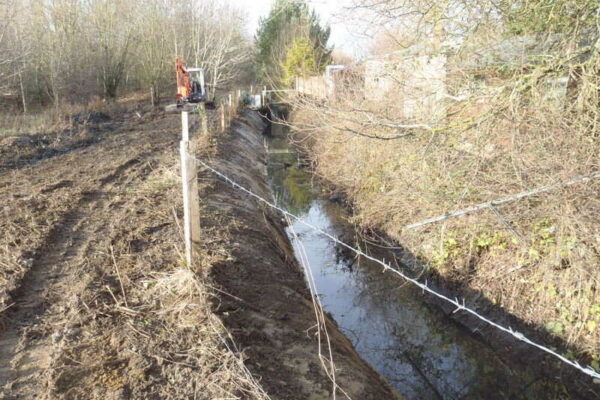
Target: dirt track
(95, 302)
(59, 215)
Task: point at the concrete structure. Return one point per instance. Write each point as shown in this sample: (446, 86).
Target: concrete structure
(411, 79)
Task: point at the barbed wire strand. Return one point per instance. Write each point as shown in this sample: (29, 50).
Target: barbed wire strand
(319, 314)
(423, 286)
(518, 196)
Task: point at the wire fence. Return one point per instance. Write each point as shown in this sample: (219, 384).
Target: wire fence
(518, 196)
(327, 363)
(460, 306)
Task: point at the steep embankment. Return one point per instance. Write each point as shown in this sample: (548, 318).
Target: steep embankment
(262, 297)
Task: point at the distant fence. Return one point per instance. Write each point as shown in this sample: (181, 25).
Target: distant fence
(414, 81)
(315, 86)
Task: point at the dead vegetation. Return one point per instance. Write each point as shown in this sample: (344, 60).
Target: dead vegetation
(503, 128)
(53, 53)
(97, 303)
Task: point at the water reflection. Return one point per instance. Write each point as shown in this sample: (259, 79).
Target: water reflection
(293, 186)
(419, 351)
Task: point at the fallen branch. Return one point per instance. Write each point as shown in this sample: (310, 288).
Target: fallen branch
(350, 130)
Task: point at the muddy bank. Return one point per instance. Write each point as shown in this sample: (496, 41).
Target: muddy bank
(97, 303)
(264, 300)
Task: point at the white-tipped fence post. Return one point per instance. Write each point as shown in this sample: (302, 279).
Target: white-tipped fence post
(185, 127)
(191, 202)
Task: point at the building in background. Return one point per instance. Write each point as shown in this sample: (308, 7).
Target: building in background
(413, 79)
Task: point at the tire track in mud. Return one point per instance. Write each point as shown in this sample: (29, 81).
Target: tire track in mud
(26, 350)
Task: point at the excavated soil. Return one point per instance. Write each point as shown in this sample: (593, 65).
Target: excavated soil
(267, 306)
(95, 302)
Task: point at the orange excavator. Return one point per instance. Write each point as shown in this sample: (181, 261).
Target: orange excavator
(190, 84)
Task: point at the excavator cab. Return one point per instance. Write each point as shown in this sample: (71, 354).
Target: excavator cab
(190, 84)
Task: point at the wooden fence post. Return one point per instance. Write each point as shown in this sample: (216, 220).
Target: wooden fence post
(191, 202)
(203, 119)
(222, 117)
(185, 126)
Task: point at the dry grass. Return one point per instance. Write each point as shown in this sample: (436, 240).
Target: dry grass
(132, 321)
(539, 258)
(199, 357)
(182, 305)
(173, 323)
(50, 119)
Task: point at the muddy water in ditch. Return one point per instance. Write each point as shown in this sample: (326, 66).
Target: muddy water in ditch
(421, 353)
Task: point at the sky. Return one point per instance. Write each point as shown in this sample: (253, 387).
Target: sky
(329, 12)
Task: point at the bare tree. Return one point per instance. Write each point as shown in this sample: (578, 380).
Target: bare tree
(112, 34)
(217, 41)
(155, 52)
(70, 50)
(13, 52)
(5, 54)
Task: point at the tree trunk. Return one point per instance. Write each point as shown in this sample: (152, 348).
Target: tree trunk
(23, 95)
